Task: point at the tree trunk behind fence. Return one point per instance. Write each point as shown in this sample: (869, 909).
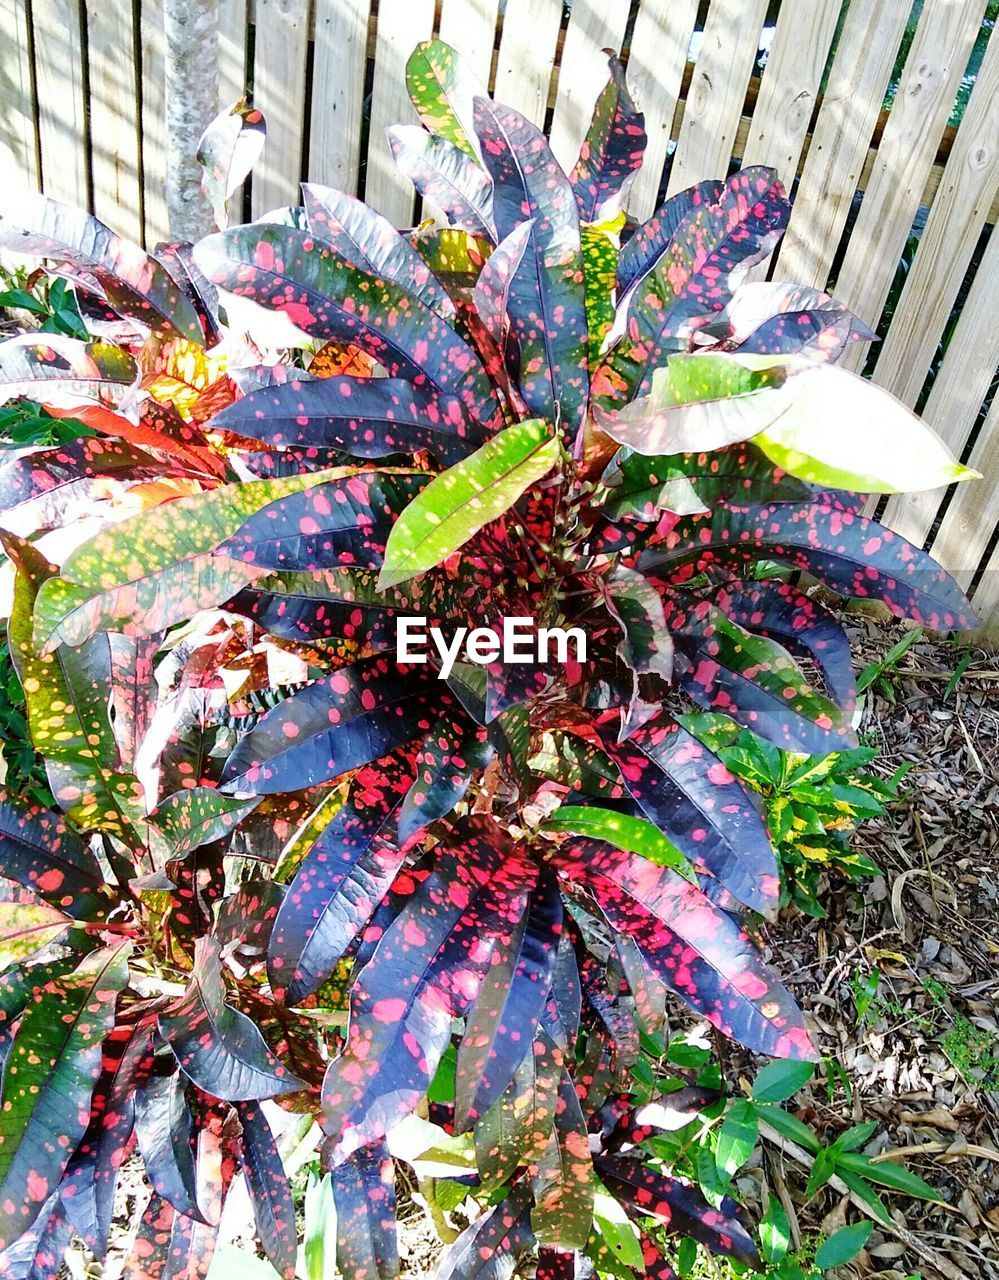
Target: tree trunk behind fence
(191, 30)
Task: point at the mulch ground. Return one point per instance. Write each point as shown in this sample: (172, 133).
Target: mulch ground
(923, 1060)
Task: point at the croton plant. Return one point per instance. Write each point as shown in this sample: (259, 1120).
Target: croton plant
(292, 875)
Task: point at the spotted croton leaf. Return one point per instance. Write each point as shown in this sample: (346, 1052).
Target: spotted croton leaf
(461, 501)
(802, 625)
(338, 723)
(217, 1047)
(753, 679)
(692, 278)
(635, 605)
(554, 1264)
(600, 254)
(787, 319)
(546, 303)
(69, 694)
(363, 1189)
(623, 830)
(38, 850)
(579, 765)
(366, 240)
(363, 417)
(38, 1254)
(612, 151)
(17, 987)
(343, 876)
(443, 89)
(48, 1078)
(134, 284)
(650, 241)
(563, 1182)
(699, 402)
(197, 816)
(504, 1016)
(491, 295)
(88, 1187)
(428, 963)
(47, 488)
(169, 1244)
(516, 1128)
(698, 950)
(227, 151)
(270, 1190)
(164, 1128)
(445, 176)
(340, 523)
(27, 927)
(448, 758)
(64, 372)
(157, 568)
(298, 274)
(679, 1205)
(160, 429)
(697, 804)
(491, 1247)
(852, 555)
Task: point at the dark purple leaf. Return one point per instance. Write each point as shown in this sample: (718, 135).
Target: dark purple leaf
(491, 1247)
(503, 1019)
(449, 756)
(546, 303)
(340, 882)
(444, 176)
(300, 275)
(38, 1254)
(612, 151)
(342, 523)
(362, 417)
(164, 1129)
(678, 1205)
(363, 1187)
(219, 1048)
(270, 1191)
(645, 247)
(169, 1246)
(700, 951)
(38, 850)
(339, 723)
(694, 800)
(854, 556)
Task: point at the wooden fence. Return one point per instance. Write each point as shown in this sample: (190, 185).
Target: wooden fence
(801, 85)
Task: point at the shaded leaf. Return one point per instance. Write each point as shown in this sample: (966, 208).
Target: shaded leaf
(270, 1190)
(445, 176)
(217, 1047)
(448, 758)
(164, 1127)
(38, 850)
(363, 1189)
(563, 1183)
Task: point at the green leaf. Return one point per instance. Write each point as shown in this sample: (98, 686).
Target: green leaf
(48, 1080)
(632, 835)
(443, 89)
(188, 819)
(157, 568)
(842, 431)
(866, 1194)
(856, 1136)
(736, 1138)
(26, 927)
(780, 1079)
(822, 1170)
(887, 1174)
(775, 1231)
(788, 1126)
(460, 501)
(843, 1245)
(320, 1229)
(617, 1231)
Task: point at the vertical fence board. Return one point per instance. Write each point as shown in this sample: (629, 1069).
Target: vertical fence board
(926, 91)
(280, 47)
(17, 121)
(717, 91)
(595, 25)
(470, 27)
(527, 55)
(789, 86)
(402, 24)
(959, 389)
(986, 597)
(156, 223)
(232, 52)
(856, 88)
(341, 40)
(114, 134)
(959, 211)
(968, 523)
(658, 55)
(59, 75)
